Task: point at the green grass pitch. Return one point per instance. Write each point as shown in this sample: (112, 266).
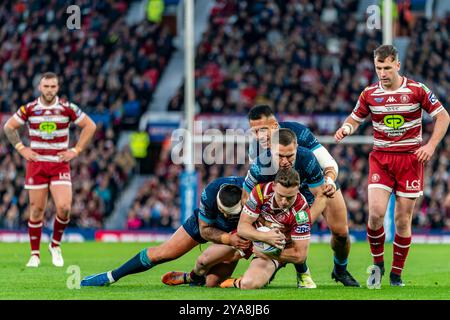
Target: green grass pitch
(427, 275)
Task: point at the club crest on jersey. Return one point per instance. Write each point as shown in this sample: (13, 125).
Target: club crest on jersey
(394, 121)
(404, 98)
(375, 177)
(379, 100)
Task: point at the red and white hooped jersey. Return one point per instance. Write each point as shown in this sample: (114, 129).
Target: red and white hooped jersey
(397, 115)
(296, 220)
(48, 126)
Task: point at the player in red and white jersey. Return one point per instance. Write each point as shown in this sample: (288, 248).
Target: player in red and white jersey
(280, 205)
(48, 119)
(396, 105)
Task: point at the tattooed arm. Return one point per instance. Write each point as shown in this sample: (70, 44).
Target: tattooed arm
(11, 127)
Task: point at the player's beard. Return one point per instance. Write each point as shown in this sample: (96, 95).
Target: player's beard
(49, 98)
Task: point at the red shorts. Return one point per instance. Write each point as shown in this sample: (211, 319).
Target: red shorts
(399, 172)
(40, 174)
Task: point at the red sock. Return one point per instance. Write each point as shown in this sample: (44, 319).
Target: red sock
(35, 232)
(401, 249)
(376, 240)
(58, 230)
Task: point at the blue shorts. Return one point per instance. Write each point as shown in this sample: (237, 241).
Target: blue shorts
(192, 228)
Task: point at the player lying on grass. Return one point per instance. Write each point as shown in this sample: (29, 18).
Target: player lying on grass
(263, 123)
(218, 215)
(280, 205)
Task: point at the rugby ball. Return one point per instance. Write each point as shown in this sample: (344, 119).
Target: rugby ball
(264, 247)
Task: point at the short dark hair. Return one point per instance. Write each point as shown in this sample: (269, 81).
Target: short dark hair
(230, 195)
(259, 111)
(385, 51)
(284, 136)
(49, 75)
(288, 177)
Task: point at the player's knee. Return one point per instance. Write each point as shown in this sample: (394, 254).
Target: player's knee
(36, 210)
(212, 281)
(402, 224)
(202, 261)
(248, 283)
(340, 236)
(64, 210)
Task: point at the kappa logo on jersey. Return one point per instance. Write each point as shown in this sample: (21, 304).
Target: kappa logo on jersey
(303, 228)
(432, 98)
(301, 217)
(394, 121)
(379, 100)
(391, 99)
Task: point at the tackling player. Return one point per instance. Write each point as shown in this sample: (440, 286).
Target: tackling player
(218, 215)
(281, 205)
(263, 123)
(396, 163)
(48, 119)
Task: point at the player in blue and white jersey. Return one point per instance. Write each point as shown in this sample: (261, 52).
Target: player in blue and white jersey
(217, 216)
(263, 123)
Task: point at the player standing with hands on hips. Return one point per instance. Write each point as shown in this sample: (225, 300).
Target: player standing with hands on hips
(396, 163)
(48, 119)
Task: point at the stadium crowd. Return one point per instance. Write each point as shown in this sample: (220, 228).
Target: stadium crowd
(108, 68)
(299, 56)
(99, 174)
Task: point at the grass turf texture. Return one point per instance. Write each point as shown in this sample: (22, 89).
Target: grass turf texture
(427, 275)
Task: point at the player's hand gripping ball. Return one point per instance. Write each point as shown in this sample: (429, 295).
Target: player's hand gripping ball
(264, 247)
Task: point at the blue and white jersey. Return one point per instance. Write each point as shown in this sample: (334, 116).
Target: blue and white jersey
(305, 138)
(209, 212)
(306, 164)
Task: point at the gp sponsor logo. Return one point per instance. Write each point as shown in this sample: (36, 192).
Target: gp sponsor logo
(251, 204)
(303, 228)
(47, 127)
(394, 121)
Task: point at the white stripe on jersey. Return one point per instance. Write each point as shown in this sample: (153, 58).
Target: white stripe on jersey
(399, 108)
(81, 117)
(435, 112)
(48, 158)
(42, 107)
(56, 133)
(356, 118)
(18, 119)
(49, 146)
(250, 213)
(407, 125)
(406, 142)
(380, 92)
(49, 118)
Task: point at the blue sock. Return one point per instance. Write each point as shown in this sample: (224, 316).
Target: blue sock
(340, 265)
(138, 263)
(301, 267)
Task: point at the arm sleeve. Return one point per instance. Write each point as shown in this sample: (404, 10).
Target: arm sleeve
(21, 115)
(313, 174)
(325, 159)
(429, 101)
(361, 110)
(252, 206)
(206, 212)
